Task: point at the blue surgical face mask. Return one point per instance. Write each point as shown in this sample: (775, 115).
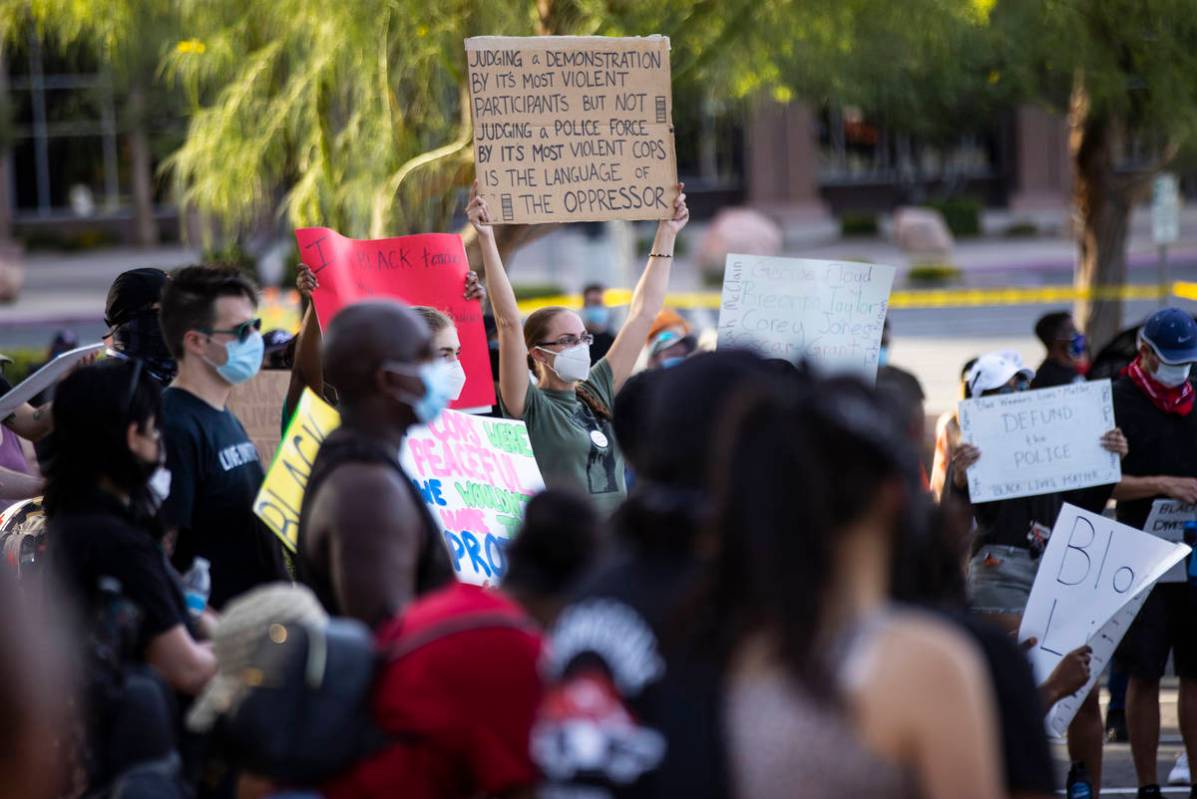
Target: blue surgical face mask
(437, 377)
(598, 316)
(244, 359)
(883, 357)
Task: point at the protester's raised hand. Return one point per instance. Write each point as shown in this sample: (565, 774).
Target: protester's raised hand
(305, 281)
(474, 290)
(681, 213)
(963, 457)
(1114, 441)
(1182, 488)
(1071, 673)
(479, 213)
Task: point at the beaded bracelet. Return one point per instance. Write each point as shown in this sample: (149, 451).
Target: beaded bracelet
(658, 255)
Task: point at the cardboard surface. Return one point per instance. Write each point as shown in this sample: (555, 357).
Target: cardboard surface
(573, 128)
(258, 403)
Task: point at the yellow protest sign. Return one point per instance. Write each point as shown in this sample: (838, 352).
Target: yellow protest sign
(281, 496)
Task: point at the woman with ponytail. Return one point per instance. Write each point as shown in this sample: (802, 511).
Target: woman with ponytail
(568, 409)
(830, 685)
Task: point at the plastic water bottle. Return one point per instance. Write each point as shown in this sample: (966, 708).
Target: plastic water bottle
(197, 585)
(1079, 786)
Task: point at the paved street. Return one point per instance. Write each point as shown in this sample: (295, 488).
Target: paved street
(1119, 773)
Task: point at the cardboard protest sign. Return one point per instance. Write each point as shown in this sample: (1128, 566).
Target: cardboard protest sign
(280, 498)
(1093, 577)
(258, 404)
(573, 128)
(429, 269)
(45, 377)
(829, 312)
(1167, 521)
(474, 473)
(1040, 442)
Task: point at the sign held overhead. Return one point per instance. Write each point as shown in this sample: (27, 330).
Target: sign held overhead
(831, 313)
(573, 128)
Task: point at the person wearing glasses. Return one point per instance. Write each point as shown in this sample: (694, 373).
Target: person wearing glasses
(568, 408)
(209, 318)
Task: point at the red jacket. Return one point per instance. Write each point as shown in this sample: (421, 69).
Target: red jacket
(461, 704)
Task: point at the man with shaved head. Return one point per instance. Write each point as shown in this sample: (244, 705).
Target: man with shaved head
(367, 543)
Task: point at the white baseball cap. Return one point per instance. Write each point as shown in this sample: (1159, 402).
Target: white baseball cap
(994, 370)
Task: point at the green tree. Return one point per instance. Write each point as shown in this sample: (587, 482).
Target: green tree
(1125, 73)
(354, 114)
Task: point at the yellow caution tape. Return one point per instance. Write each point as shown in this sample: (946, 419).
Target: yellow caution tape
(916, 298)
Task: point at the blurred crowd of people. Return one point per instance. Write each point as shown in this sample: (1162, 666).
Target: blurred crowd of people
(745, 578)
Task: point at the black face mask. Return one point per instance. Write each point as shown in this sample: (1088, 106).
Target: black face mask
(141, 337)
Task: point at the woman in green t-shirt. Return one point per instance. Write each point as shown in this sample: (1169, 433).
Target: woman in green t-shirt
(568, 408)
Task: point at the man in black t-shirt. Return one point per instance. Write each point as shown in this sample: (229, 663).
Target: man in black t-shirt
(1065, 347)
(209, 320)
(1154, 407)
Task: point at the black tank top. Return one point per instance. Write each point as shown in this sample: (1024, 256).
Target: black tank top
(342, 446)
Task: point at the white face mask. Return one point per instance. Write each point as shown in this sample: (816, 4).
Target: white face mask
(455, 379)
(571, 364)
(159, 487)
(1172, 376)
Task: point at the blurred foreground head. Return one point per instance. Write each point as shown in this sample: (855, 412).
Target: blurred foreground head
(35, 686)
(814, 486)
(558, 541)
(679, 411)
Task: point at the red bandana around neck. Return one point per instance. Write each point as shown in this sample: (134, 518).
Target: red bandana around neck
(1176, 400)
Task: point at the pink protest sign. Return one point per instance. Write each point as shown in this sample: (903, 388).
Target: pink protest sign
(428, 269)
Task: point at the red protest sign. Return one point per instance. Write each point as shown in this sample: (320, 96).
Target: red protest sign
(428, 269)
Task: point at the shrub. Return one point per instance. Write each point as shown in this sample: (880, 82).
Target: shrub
(856, 223)
(932, 274)
(23, 363)
(1021, 230)
(962, 215)
(537, 291)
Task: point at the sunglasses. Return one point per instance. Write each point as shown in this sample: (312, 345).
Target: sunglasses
(569, 340)
(242, 331)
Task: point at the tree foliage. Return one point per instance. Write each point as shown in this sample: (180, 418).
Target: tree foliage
(353, 113)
